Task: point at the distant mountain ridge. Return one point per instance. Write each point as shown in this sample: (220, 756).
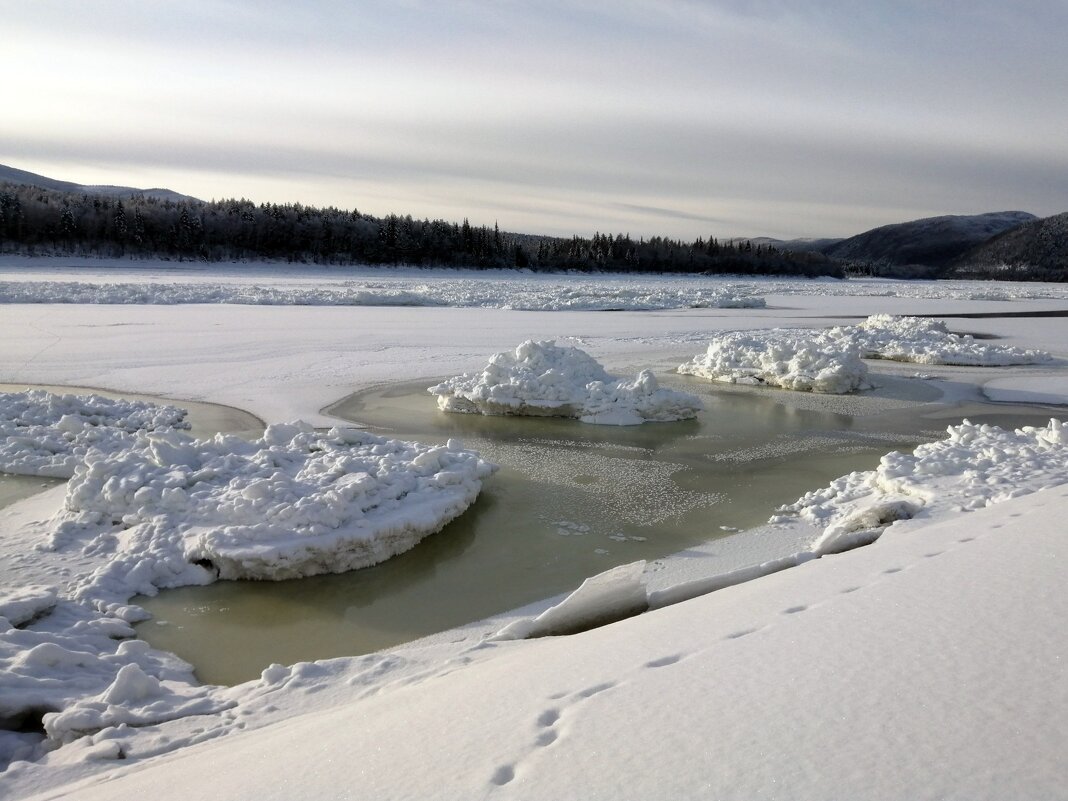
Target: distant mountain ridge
(16, 176)
(931, 242)
(1036, 247)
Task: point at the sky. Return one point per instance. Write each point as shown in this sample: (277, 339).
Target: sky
(677, 117)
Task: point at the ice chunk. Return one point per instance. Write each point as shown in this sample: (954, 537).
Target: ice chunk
(806, 361)
(45, 434)
(546, 379)
(830, 361)
(605, 598)
(20, 605)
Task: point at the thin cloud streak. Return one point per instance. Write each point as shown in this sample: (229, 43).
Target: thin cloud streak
(776, 118)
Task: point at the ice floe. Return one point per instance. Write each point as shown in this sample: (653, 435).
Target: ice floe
(798, 360)
(47, 434)
(295, 502)
(549, 380)
(928, 341)
(830, 361)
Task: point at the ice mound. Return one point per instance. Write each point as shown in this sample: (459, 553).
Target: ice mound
(45, 434)
(293, 503)
(926, 341)
(830, 361)
(548, 380)
(973, 467)
(798, 360)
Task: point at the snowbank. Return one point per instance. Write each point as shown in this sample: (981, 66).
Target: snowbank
(973, 467)
(173, 510)
(545, 379)
(45, 434)
(830, 361)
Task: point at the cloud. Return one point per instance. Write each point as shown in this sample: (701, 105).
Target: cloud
(752, 117)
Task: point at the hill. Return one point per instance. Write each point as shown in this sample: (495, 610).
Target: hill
(14, 175)
(1036, 250)
(933, 242)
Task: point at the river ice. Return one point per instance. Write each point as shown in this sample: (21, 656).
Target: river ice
(926, 664)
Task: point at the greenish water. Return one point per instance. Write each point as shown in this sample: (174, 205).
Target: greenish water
(570, 500)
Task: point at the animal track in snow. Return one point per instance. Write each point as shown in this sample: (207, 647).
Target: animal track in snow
(548, 732)
(548, 717)
(503, 775)
(663, 661)
(739, 634)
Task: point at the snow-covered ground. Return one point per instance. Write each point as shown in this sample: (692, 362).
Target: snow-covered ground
(927, 665)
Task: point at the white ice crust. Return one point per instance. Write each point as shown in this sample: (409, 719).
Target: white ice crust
(804, 361)
(548, 380)
(973, 467)
(292, 503)
(503, 293)
(928, 341)
(830, 361)
(46, 434)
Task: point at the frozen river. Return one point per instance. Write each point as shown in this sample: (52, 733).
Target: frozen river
(570, 500)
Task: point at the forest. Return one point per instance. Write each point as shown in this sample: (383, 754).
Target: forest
(36, 221)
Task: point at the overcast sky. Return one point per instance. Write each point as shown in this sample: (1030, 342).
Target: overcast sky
(678, 117)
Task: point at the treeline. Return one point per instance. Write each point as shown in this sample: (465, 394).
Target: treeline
(37, 221)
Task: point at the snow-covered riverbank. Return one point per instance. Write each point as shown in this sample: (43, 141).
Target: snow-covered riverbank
(926, 663)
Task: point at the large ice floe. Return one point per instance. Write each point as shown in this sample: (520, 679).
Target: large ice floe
(46, 434)
(295, 502)
(549, 380)
(830, 361)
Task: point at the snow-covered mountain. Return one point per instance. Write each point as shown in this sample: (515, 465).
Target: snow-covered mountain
(932, 242)
(1038, 245)
(16, 176)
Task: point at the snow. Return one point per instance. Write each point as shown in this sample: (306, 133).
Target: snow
(546, 379)
(458, 292)
(292, 503)
(926, 665)
(47, 434)
(787, 359)
(830, 361)
(925, 341)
